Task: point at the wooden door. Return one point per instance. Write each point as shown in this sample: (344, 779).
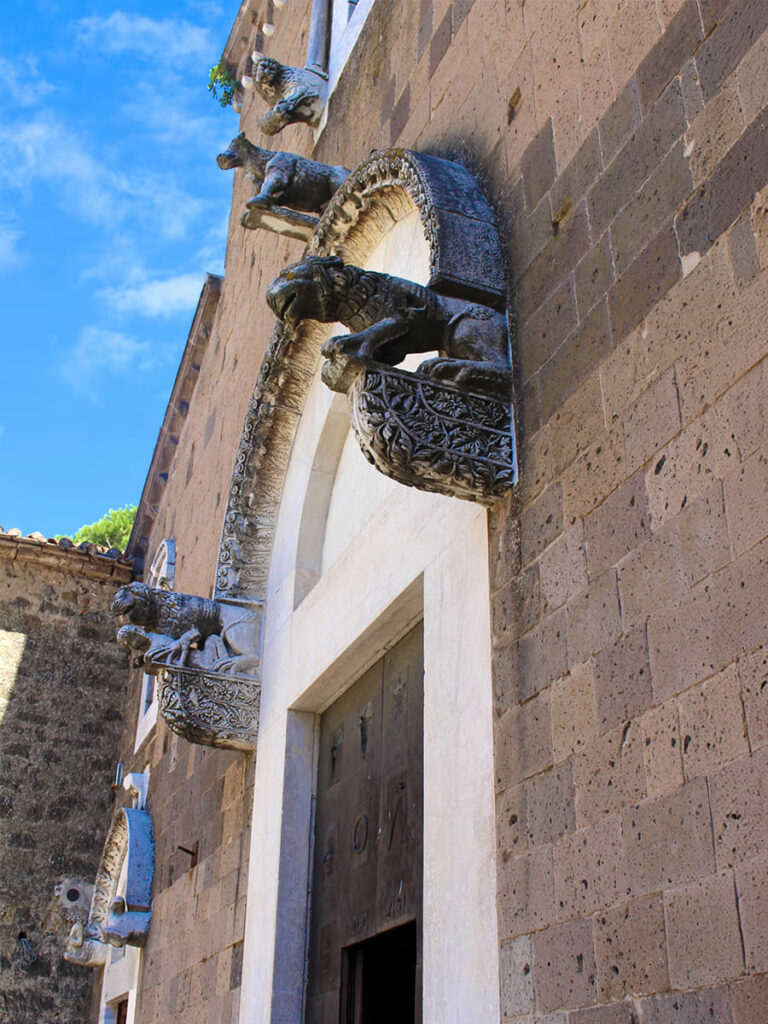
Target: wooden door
(367, 870)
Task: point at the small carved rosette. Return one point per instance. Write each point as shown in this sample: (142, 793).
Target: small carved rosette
(213, 709)
(433, 435)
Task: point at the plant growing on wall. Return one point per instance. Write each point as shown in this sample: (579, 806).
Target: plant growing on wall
(222, 83)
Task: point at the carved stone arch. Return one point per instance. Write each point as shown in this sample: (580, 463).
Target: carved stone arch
(465, 262)
(118, 919)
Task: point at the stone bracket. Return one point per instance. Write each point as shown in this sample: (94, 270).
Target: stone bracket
(118, 919)
(432, 434)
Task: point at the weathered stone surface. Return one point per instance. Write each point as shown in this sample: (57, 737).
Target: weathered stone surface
(565, 973)
(61, 705)
(631, 949)
(655, 856)
(703, 955)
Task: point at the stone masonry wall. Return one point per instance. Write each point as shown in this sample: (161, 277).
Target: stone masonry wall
(630, 572)
(61, 701)
(622, 143)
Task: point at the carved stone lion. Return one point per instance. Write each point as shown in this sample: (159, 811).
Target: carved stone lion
(294, 94)
(390, 318)
(165, 628)
(283, 178)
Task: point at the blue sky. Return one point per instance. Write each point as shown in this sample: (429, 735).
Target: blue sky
(112, 209)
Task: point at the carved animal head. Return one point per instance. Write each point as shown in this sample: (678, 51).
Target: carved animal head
(73, 899)
(239, 153)
(133, 604)
(267, 73)
(310, 290)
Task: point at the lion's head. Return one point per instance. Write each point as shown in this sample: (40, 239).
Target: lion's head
(236, 154)
(310, 290)
(133, 604)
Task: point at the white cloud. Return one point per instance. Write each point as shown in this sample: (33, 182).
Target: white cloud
(161, 298)
(20, 79)
(44, 150)
(10, 256)
(100, 353)
(166, 39)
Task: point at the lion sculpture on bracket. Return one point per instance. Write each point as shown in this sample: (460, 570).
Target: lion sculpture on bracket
(292, 191)
(448, 426)
(205, 654)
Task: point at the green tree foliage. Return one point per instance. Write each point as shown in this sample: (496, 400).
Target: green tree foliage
(221, 78)
(112, 530)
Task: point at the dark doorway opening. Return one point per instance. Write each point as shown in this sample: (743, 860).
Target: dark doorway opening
(379, 978)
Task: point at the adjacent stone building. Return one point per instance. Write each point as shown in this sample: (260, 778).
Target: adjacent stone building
(510, 760)
(62, 683)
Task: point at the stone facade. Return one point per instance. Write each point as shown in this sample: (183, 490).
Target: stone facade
(62, 682)
(623, 146)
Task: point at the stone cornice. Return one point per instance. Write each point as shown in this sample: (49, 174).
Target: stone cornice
(50, 554)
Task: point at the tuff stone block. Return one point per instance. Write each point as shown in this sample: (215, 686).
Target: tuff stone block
(638, 158)
(737, 793)
(728, 190)
(572, 183)
(651, 421)
(574, 711)
(749, 999)
(550, 805)
(564, 966)
(714, 131)
(631, 33)
(753, 913)
(516, 975)
(594, 275)
(441, 40)
(512, 821)
(618, 526)
(652, 207)
(593, 618)
(542, 335)
(735, 33)
(525, 895)
(542, 655)
(538, 166)
(745, 505)
(575, 360)
(689, 465)
(703, 955)
(563, 567)
(619, 120)
(616, 1013)
(678, 42)
(753, 87)
(702, 531)
(631, 949)
(662, 748)
(589, 869)
(648, 278)
(668, 839)
(681, 318)
(650, 579)
(553, 263)
(594, 475)
(743, 248)
(688, 1007)
(623, 680)
(712, 724)
(609, 774)
(753, 674)
(542, 522)
(577, 424)
(720, 619)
